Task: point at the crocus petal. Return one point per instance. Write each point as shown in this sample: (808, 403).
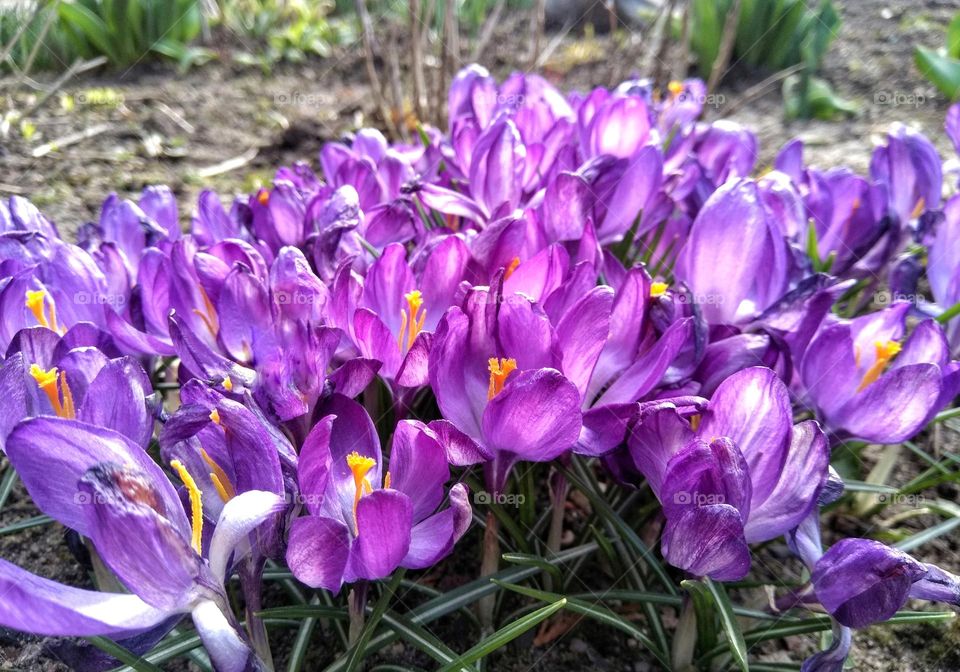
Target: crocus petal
(708, 541)
(861, 581)
(752, 408)
(44, 607)
(654, 440)
(536, 416)
(581, 334)
(795, 494)
(384, 523)
(318, 550)
(122, 504)
(433, 538)
(228, 652)
(461, 450)
(240, 517)
(51, 455)
(116, 400)
(893, 408)
(418, 467)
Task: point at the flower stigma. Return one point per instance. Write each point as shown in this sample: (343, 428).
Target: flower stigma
(499, 370)
(196, 504)
(886, 351)
(54, 385)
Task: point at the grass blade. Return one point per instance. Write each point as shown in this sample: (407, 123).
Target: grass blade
(504, 636)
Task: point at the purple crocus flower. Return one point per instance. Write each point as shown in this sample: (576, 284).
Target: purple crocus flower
(395, 312)
(910, 168)
(495, 370)
(861, 582)
(105, 487)
(736, 260)
(739, 471)
(364, 521)
(45, 374)
(866, 382)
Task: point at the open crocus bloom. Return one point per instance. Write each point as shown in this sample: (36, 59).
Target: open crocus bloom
(495, 369)
(69, 377)
(365, 521)
(100, 484)
(740, 472)
(867, 382)
(396, 312)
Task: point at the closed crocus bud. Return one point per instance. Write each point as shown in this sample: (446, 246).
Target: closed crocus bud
(861, 582)
(911, 169)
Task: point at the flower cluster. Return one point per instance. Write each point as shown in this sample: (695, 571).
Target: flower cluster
(599, 274)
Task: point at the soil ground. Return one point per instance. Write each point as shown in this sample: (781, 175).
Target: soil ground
(163, 127)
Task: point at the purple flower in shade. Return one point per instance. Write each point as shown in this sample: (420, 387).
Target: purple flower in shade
(392, 313)
(364, 521)
(861, 582)
(495, 370)
(45, 374)
(736, 260)
(109, 490)
(855, 237)
(734, 472)
(867, 382)
(910, 169)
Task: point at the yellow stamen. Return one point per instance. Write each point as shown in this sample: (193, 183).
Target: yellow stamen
(60, 395)
(658, 289)
(919, 208)
(215, 416)
(386, 480)
(196, 504)
(219, 477)
(36, 301)
(511, 268)
(209, 314)
(886, 350)
(675, 87)
(227, 384)
(411, 319)
(499, 370)
(263, 197)
(69, 410)
(360, 465)
(695, 421)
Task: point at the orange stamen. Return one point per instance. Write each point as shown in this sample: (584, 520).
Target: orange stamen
(499, 370)
(54, 385)
(411, 319)
(219, 477)
(658, 289)
(360, 465)
(511, 268)
(886, 351)
(196, 504)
